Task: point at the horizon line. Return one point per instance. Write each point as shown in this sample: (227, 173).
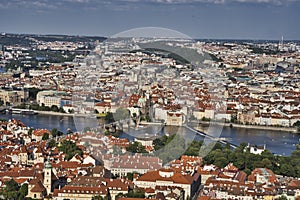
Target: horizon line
(106, 37)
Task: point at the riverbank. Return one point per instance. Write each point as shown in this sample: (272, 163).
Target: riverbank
(287, 129)
(54, 113)
(61, 114)
(271, 128)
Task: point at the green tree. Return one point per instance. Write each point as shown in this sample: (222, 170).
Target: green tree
(297, 123)
(130, 176)
(109, 118)
(282, 197)
(296, 152)
(45, 136)
(97, 198)
(70, 149)
(11, 185)
(11, 189)
(158, 143)
(54, 132)
(51, 143)
(119, 195)
(59, 133)
(30, 131)
(54, 108)
(136, 147)
(33, 92)
(23, 191)
(194, 148)
(138, 193)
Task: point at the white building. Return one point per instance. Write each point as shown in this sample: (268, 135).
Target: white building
(168, 177)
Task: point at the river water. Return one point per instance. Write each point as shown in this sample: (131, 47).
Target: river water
(278, 142)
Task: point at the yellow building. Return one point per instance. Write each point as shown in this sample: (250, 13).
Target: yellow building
(9, 97)
(174, 119)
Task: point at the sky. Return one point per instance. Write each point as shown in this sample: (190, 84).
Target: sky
(201, 19)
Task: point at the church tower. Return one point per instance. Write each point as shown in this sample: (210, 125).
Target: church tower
(48, 176)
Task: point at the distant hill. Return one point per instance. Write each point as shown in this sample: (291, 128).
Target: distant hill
(26, 39)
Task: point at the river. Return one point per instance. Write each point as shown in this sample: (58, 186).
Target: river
(278, 142)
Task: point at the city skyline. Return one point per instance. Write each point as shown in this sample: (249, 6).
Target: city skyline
(203, 19)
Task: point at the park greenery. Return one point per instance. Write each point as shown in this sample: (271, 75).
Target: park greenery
(33, 93)
(136, 193)
(45, 136)
(56, 133)
(70, 149)
(222, 155)
(246, 161)
(53, 108)
(258, 50)
(53, 56)
(119, 115)
(136, 147)
(13, 190)
(158, 143)
(98, 197)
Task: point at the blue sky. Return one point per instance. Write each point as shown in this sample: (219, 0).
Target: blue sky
(228, 19)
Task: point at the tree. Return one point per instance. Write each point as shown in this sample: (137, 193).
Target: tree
(130, 176)
(194, 148)
(158, 143)
(297, 123)
(70, 149)
(23, 191)
(54, 108)
(45, 136)
(241, 148)
(97, 198)
(71, 111)
(296, 152)
(59, 133)
(109, 117)
(11, 185)
(33, 92)
(282, 197)
(61, 110)
(30, 131)
(227, 146)
(136, 147)
(119, 195)
(51, 143)
(135, 194)
(11, 190)
(54, 132)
